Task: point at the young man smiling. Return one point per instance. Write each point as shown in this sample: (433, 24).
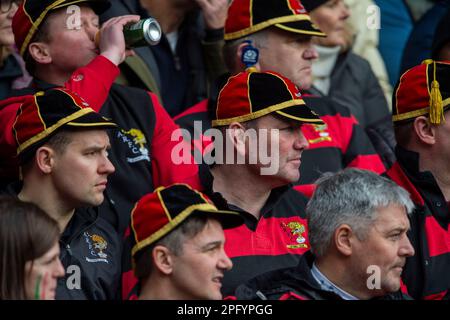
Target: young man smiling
(178, 250)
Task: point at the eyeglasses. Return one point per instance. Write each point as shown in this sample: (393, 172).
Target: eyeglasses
(6, 5)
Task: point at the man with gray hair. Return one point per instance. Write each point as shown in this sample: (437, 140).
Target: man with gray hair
(357, 229)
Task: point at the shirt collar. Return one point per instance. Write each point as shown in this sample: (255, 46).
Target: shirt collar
(329, 286)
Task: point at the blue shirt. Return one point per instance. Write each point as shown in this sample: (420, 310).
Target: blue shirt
(327, 285)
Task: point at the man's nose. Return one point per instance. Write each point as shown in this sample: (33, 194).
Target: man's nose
(310, 53)
(225, 262)
(107, 166)
(301, 142)
(406, 249)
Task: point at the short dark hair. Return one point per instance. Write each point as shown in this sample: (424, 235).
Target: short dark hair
(58, 142)
(26, 233)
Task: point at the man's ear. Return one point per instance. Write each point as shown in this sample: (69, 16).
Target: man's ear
(39, 51)
(163, 259)
(236, 135)
(45, 159)
(424, 130)
(238, 57)
(343, 237)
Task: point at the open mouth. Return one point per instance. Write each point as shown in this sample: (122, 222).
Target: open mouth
(218, 280)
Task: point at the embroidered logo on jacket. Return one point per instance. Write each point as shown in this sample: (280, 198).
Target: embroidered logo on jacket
(295, 230)
(97, 247)
(136, 142)
(321, 131)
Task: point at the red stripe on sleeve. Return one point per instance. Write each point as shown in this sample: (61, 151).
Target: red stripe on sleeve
(200, 107)
(165, 171)
(437, 296)
(292, 296)
(438, 239)
(93, 81)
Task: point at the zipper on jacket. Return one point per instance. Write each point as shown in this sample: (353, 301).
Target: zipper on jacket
(69, 250)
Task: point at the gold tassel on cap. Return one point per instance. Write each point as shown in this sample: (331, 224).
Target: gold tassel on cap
(436, 105)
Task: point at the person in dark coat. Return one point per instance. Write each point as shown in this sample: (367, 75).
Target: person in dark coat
(441, 40)
(347, 78)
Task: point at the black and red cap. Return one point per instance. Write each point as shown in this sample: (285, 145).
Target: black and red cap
(157, 214)
(31, 14)
(42, 115)
(249, 16)
(422, 90)
(251, 95)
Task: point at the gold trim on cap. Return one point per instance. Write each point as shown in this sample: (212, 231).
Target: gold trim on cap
(306, 32)
(172, 224)
(259, 113)
(36, 24)
(397, 90)
(265, 24)
(284, 114)
(91, 124)
(163, 204)
(49, 130)
(416, 113)
(436, 103)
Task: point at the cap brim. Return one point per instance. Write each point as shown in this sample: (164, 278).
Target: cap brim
(305, 27)
(87, 121)
(99, 6)
(92, 120)
(300, 113)
(228, 219)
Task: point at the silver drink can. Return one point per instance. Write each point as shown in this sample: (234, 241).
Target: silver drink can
(143, 33)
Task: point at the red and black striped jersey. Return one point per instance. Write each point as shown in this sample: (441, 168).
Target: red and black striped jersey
(426, 274)
(276, 240)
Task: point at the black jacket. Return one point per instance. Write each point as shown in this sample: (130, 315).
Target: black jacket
(354, 85)
(295, 283)
(90, 251)
(92, 247)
